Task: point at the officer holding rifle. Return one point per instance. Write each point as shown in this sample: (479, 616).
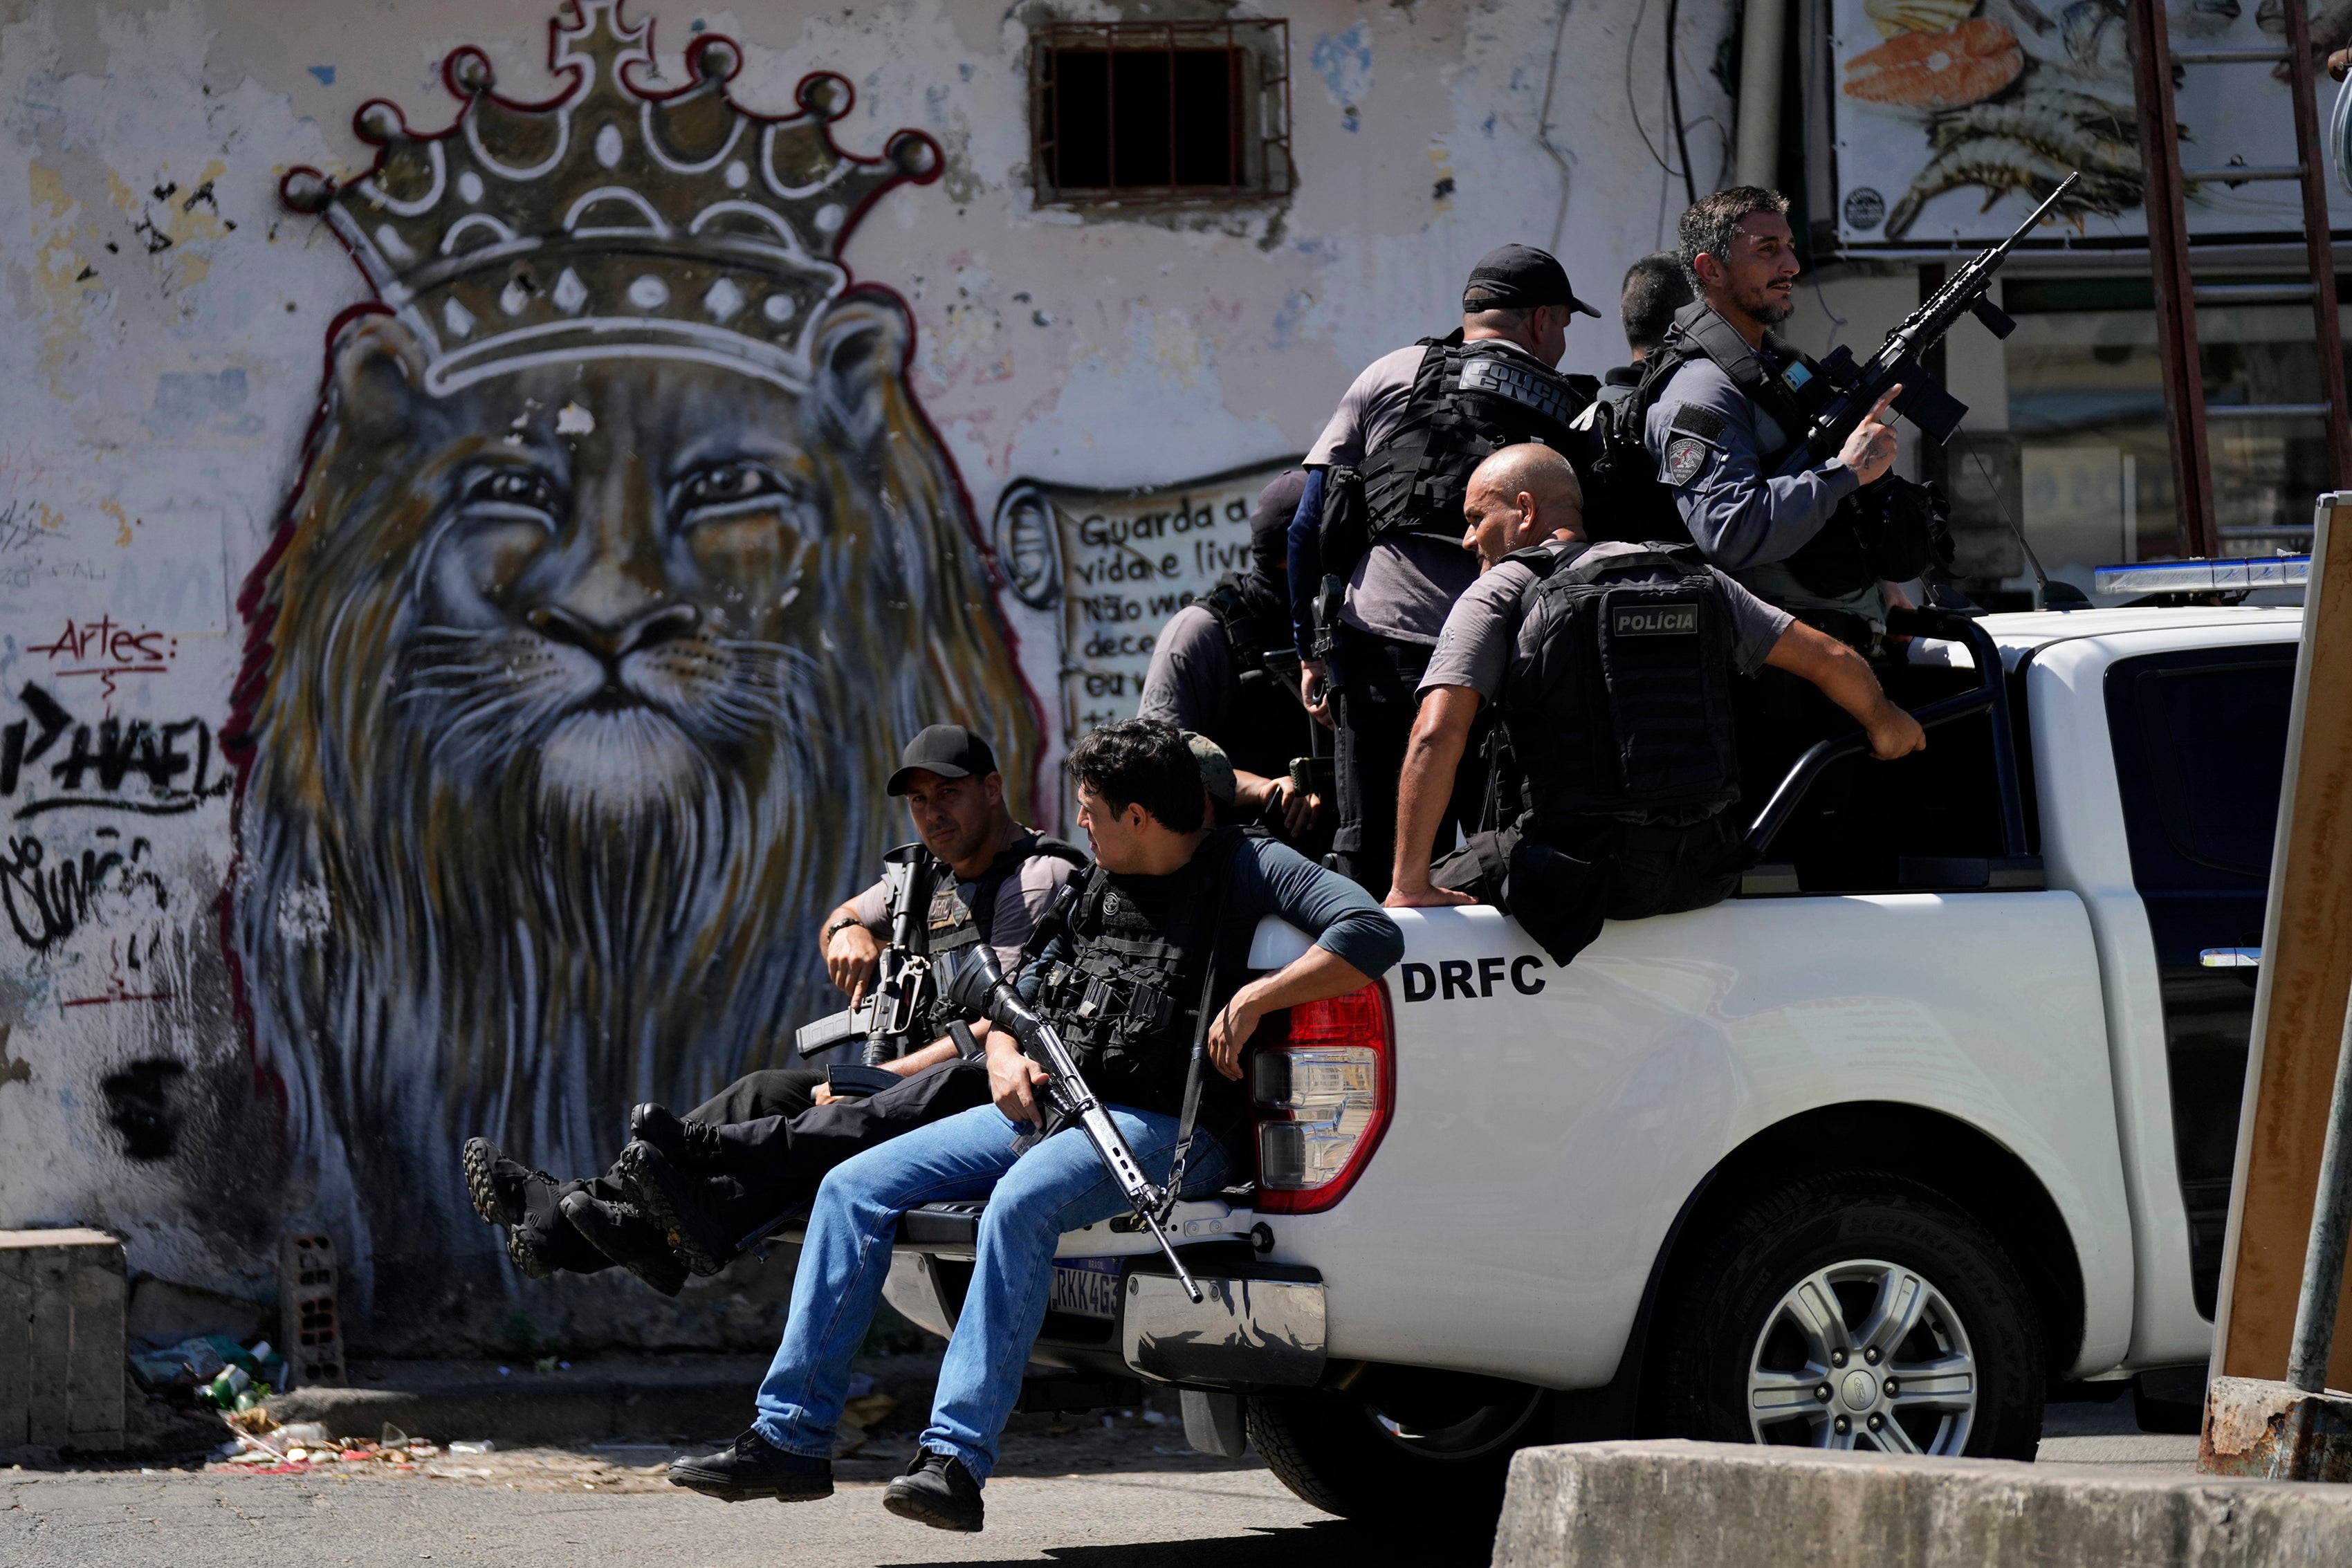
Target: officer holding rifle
(688, 1189)
(1725, 416)
(1158, 938)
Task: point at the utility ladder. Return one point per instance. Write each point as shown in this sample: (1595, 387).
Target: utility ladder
(2177, 296)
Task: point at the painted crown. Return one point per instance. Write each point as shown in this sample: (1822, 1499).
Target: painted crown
(613, 221)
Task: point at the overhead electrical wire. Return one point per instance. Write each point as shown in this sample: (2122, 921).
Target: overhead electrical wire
(1675, 104)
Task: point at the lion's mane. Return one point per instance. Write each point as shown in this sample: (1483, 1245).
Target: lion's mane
(426, 954)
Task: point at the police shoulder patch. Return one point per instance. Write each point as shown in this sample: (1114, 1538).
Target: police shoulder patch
(1686, 455)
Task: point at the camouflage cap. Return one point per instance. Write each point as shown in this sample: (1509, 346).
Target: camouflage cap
(1216, 767)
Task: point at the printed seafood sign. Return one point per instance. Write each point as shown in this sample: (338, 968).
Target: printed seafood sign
(1955, 116)
(1120, 562)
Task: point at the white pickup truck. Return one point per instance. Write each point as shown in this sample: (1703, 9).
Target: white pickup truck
(1868, 1167)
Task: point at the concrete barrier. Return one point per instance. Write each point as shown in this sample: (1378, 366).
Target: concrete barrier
(1664, 1504)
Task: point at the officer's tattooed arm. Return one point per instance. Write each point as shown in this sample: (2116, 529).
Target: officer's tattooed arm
(1846, 679)
(1440, 733)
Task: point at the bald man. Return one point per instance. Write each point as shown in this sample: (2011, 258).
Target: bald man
(1611, 667)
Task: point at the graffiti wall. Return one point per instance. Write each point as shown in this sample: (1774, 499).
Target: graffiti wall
(485, 493)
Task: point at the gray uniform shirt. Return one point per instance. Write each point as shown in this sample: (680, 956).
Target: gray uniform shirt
(1481, 637)
(1190, 681)
(1405, 584)
(1746, 522)
(1021, 898)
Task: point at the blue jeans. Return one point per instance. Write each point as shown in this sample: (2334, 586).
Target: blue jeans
(1057, 1185)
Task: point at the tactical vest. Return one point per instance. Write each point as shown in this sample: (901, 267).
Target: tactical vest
(953, 924)
(1126, 1001)
(1620, 704)
(1264, 724)
(1469, 401)
(1638, 506)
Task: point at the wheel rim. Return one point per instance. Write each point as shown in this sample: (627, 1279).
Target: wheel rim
(1864, 1354)
(1464, 1435)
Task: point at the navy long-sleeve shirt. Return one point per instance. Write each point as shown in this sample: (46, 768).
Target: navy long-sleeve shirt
(1306, 562)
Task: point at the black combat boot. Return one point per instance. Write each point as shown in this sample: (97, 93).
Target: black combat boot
(689, 1146)
(939, 1491)
(703, 1218)
(753, 1467)
(523, 1202)
(622, 1232)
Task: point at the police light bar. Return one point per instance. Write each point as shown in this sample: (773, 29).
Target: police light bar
(2227, 574)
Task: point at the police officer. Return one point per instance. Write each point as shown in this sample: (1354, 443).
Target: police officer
(1655, 287)
(1373, 564)
(1609, 665)
(1170, 906)
(687, 1188)
(1824, 541)
(1224, 668)
(1723, 419)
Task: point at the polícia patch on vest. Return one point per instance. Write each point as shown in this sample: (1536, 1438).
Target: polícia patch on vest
(1654, 620)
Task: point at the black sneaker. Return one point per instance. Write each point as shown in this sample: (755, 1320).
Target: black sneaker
(689, 1146)
(752, 1466)
(696, 1213)
(519, 1201)
(939, 1491)
(621, 1232)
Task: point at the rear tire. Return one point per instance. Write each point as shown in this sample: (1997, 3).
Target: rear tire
(1400, 1438)
(1850, 1311)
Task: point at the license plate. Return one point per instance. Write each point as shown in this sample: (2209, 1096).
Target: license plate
(1086, 1286)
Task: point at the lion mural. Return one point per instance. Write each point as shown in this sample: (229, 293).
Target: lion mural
(621, 562)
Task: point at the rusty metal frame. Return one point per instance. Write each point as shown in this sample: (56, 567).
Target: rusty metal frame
(2317, 247)
(2175, 304)
(1259, 158)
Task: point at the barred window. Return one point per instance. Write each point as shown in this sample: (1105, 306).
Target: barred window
(1148, 112)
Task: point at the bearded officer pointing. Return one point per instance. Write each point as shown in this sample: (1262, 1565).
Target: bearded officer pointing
(1725, 419)
(1395, 458)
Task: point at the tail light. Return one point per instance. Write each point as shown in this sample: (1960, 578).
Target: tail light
(1323, 1085)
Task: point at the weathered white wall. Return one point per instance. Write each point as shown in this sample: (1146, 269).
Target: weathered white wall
(163, 321)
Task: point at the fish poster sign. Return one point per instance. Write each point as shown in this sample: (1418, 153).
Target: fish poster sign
(1955, 116)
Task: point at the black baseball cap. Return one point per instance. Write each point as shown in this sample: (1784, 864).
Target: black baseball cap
(948, 751)
(1519, 277)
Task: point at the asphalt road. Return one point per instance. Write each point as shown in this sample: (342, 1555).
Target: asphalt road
(1237, 1518)
(1069, 1493)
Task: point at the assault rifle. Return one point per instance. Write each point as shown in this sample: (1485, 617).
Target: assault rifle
(1854, 389)
(895, 1007)
(979, 989)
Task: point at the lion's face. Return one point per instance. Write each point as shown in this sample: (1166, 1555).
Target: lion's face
(572, 695)
(614, 595)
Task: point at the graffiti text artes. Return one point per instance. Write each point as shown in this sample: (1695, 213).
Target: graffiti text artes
(155, 769)
(108, 649)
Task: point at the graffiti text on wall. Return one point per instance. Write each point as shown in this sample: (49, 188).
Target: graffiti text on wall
(51, 759)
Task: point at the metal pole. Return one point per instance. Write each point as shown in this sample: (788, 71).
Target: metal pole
(1763, 34)
(2331, 1219)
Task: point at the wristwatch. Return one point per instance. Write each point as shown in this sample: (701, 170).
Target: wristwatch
(838, 926)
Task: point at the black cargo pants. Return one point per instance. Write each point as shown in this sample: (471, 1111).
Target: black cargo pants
(1378, 699)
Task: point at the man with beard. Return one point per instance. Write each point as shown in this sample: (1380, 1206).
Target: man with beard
(1822, 541)
(1224, 668)
(1167, 915)
(688, 1189)
(1725, 418)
